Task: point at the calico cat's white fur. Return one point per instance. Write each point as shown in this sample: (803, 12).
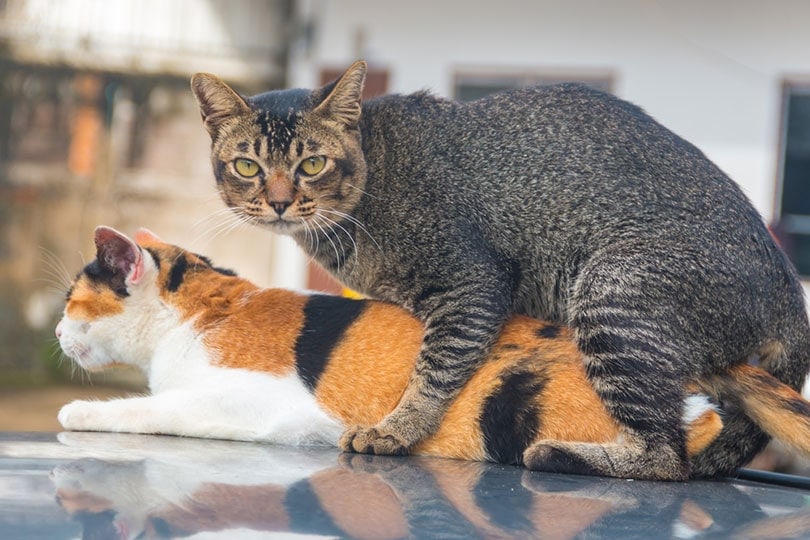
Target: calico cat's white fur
(226, 359)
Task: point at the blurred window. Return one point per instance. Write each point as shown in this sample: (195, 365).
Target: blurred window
(793, 226)
(470, 85)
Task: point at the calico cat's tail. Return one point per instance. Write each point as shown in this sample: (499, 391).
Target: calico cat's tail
(776, 408)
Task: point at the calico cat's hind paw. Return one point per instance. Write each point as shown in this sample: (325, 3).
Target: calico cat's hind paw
(372, 440)
(627, 460)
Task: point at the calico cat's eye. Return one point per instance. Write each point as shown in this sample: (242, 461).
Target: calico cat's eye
(246, 167)
(312, 165)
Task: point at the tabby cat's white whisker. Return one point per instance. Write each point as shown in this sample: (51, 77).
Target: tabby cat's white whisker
(364, 192)
(326, 234)
(215, 223)
(348, 234)
(356, 222)
(308, 235)
(328, 226)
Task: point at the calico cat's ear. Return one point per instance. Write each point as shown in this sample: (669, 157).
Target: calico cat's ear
(145, 236)
(217, 101)
(118, 254)
(342, 103)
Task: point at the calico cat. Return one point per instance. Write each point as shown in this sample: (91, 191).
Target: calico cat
(561, 203)
(226, 359)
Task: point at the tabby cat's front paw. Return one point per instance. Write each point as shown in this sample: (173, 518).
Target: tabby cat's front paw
(372, 440)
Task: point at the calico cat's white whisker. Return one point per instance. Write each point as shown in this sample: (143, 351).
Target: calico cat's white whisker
(55, 268)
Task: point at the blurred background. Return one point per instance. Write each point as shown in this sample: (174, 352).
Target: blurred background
(98, 126)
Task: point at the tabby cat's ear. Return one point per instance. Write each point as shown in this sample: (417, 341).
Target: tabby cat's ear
(217, 101)
(342, 104)
(119, 254)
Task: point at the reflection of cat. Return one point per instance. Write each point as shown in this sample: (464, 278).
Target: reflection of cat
(562, 203)
(226, 359)
(172, 487)
(179, 487)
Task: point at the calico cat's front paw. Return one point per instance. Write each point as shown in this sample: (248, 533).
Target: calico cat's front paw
(79, 416)
(372, 440)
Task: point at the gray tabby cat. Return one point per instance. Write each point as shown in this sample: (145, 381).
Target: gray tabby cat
(559, 202)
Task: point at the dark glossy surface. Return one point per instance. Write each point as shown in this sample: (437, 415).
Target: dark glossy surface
(101, 485)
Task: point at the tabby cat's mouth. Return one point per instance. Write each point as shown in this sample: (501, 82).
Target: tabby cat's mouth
(280, 224)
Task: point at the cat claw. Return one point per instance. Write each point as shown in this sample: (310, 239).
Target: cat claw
(372, 440)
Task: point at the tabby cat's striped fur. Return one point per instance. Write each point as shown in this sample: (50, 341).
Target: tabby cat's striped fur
(562, 203)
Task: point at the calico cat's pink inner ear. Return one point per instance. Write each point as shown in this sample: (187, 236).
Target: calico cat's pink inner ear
(118, 253)
(145, 236)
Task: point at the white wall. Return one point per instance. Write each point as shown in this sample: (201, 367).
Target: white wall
(710, 71)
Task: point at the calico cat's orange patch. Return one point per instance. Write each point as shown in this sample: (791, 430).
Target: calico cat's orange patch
(89, 303)
(234, 315)
(245, 340)
(570, 408)
(347, 377)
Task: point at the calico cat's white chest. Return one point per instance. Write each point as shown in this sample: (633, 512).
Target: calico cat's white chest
(192, 396)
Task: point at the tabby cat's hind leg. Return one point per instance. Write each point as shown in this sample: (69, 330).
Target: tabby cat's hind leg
(638, 348)
(701, 421)
(629, 459)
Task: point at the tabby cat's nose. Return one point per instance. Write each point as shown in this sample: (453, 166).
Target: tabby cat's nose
(280, 207)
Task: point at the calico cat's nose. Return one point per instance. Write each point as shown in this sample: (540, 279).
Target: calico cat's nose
(280, 206)
(59, 330)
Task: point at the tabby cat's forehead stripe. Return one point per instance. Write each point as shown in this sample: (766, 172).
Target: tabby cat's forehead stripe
(326, 319)
(509, 420)
(279, 132)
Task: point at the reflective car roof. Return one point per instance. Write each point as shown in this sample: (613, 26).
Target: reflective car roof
(104, 485)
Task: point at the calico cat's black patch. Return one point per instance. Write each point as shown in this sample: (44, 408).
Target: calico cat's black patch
(509, 417)
(550, 331)
(326, 319)
(177, 274)
(218, 269)
(99, 274)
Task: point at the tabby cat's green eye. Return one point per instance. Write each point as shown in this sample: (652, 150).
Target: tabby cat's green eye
(313, 165)
(246, 167)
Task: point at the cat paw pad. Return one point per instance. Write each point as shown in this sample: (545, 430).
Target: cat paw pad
(365, 440)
